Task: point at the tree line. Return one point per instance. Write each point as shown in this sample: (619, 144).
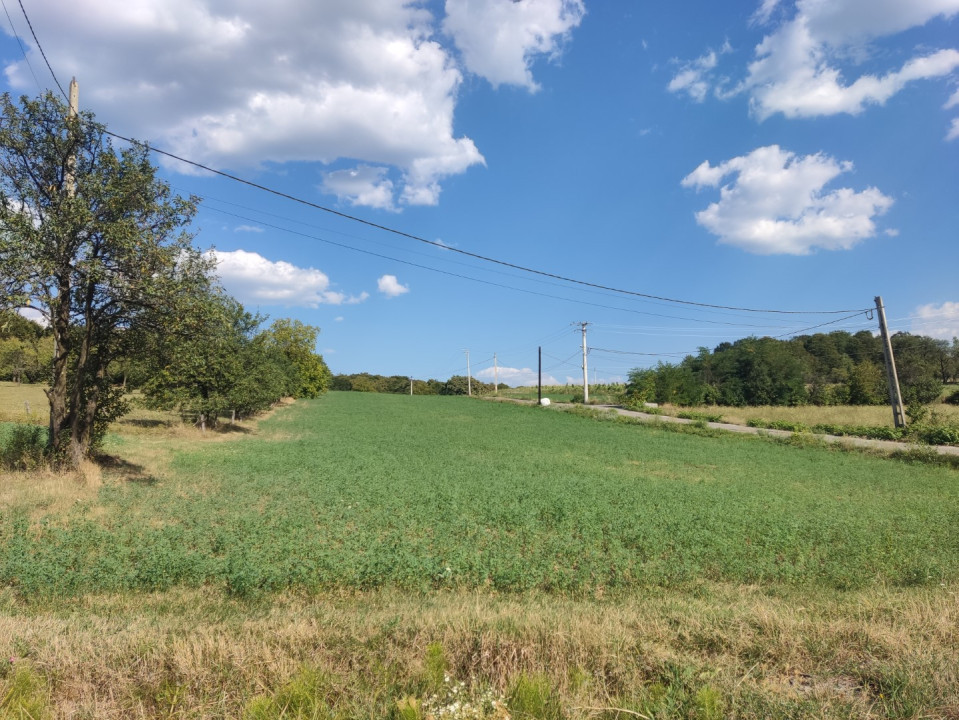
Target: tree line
(836, 368)
(400, 384)
(100, 247)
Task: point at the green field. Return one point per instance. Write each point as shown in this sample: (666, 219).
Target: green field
(738, 575)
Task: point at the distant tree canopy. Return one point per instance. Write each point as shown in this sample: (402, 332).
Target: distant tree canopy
(400, 384)
(26, 349)
(835, 368)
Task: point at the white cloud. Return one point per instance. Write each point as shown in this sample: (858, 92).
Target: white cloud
(953, 130)
(776, 203)
(796, 69)
(34, 315)
(253, 279)
(500, 39)
(235, 84)
(363, 185)
(338, 318)
(390, 286)
(938, 321)
(248, 228)
(516, 377)
(952, 101)
(692, 78)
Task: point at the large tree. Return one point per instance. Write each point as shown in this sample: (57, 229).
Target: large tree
(93, 240)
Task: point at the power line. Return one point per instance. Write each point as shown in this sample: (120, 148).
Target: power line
(23, 50)
(40, 48)
(417, 238)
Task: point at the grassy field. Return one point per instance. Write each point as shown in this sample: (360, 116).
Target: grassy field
(347, 553)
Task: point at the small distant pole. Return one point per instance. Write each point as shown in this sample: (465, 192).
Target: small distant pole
(469, 375)
(411, 386)
(539, 393)
(892, 378)
(495, 376)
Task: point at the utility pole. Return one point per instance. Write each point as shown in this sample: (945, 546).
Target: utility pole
(469, 377)
(582, 326)
(892, 378)
(539, 392)
(411, 386)
(70, 180)
(495, 376)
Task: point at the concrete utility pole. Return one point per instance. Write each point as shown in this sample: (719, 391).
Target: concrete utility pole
(70, 180)
(585, 373)
(892, 378)
(495, 376)
(411, 386)
(539, 384)
(469, 376)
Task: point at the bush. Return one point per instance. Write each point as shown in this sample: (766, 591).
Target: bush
(953, 399)
(22, 447)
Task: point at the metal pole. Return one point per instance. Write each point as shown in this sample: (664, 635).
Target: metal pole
(892, 378)
(495, 376)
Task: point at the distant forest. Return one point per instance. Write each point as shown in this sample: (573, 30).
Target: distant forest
(836, 368)
(400, 384)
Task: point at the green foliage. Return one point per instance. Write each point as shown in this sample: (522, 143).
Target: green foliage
(532, 697)
(437, 666)
(709, 704)
(825, 369)
(304, 697)
(99, 250)
(215, 363)
(297, 342)
(952, 398)
(461, 385)
(24, 695)
(22, 447)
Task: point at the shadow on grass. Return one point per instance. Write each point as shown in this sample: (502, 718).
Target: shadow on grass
(144, 422)
(126, 470)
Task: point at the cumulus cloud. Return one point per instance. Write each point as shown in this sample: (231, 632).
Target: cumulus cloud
(796, 71)
(776, 203)
(236, 85)
(254, 279)
(938, 321)
(693, 77)
(390, 286)
(516, 376)
(500, 39)
(363, 185)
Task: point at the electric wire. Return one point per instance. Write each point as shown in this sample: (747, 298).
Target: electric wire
(23, 50)
(411, 236)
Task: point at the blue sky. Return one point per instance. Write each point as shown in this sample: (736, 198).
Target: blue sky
(771, 155)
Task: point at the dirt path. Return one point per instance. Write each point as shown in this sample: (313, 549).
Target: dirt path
(887, 445)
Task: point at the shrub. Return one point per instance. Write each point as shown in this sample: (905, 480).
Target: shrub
(953, 399)
(22, 447)
(533, 697)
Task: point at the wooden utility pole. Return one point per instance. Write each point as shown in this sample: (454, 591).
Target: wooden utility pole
(892, 378)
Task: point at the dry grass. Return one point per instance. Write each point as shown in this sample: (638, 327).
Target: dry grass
(15, 398)
(196, 654)
(813, 414)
